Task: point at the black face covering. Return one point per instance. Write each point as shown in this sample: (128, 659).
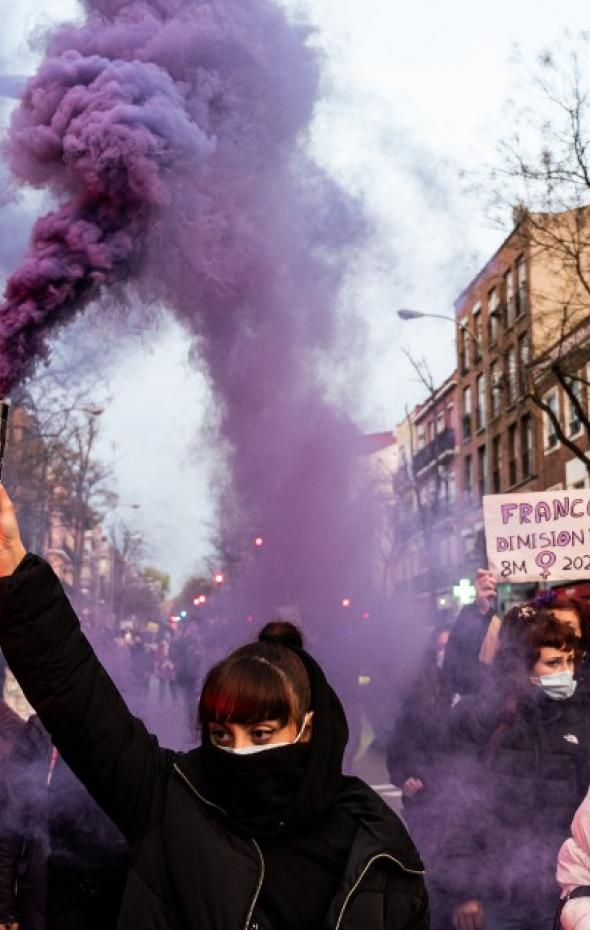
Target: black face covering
(255, 790)
(281, 790)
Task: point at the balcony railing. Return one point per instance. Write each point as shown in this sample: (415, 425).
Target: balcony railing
(442, 443)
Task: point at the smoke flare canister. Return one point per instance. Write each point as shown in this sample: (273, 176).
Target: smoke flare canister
(4, 409)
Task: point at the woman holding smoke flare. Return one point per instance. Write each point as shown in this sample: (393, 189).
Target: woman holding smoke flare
(257, 829)
(522, 769)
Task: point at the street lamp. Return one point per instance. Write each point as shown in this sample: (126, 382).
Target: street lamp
(93, 410)
(407, 314)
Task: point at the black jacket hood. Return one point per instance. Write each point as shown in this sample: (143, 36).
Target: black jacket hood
(322, 781)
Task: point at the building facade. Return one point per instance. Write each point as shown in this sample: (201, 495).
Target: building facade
(488, 429)
(425, 557)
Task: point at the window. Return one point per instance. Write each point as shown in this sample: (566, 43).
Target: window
(482, 470)
(477, 333)
(495, 388)
(512, 464)
(467, 413)
(449, 422)
(510, 301)
(451, 485)
(496, 464)
(574, 422)
(463, 349)
(467, 479)
(523, 361)
(440, 421)
(511, 375)
(526, 445)
(493, 315)
(552, 401)
(480, 410)
(441, 545)
(421, 436)
(521, 297)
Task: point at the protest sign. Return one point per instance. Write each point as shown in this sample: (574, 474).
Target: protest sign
(538, 536)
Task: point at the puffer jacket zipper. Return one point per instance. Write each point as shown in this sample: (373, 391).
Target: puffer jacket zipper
(361, 877)
(247, 925)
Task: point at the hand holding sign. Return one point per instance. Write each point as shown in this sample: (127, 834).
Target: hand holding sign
(539, 535)
(485, 588)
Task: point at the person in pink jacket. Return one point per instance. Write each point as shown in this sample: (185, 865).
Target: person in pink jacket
(573, 872)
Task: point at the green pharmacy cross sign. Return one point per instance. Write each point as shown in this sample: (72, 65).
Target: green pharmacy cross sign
(464, 592)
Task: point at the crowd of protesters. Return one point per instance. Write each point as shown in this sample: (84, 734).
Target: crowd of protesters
(490, 749)
(101, 828)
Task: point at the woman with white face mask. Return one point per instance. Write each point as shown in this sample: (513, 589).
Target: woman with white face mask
(521, 770)
(257, 828)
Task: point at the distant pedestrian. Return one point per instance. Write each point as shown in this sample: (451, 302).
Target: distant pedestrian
(186, 656)
(417, 757)
(164, 668)
(140, 671)
(63, 865)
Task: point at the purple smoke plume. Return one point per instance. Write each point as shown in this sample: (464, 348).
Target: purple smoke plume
(172, 132)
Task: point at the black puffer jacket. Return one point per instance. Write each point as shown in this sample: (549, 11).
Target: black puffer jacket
(419, 748)
(520, 775)
(192, 870)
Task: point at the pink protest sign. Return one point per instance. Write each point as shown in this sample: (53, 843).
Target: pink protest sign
(538, 536)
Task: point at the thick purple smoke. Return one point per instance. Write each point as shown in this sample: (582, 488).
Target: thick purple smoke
(108, 131)
(172, 131)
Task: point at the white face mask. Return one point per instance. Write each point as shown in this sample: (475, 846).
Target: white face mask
(250, 750)
(559, 687)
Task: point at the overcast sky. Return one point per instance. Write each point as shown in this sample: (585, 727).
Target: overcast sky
(414, 95)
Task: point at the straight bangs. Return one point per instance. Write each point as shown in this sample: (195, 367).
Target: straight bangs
(245, 690)
(554, 635)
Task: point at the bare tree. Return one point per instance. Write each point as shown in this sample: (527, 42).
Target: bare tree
(82, 483)
(543, 183)
(52, 466)
(136, 590)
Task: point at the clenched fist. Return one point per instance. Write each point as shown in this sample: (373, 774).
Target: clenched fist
(12, 551)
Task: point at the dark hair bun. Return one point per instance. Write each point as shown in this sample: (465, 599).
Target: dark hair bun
(282, 632)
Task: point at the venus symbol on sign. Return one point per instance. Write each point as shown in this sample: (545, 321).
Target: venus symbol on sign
(545, 561)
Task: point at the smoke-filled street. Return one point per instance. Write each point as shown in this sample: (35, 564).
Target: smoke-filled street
(294, 466)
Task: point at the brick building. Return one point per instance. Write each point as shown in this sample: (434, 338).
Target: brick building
(425, 556)
(561, 468)
(511, 317)
(499, 437)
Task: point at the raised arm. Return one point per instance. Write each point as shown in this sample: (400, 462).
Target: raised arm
(108, 748)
